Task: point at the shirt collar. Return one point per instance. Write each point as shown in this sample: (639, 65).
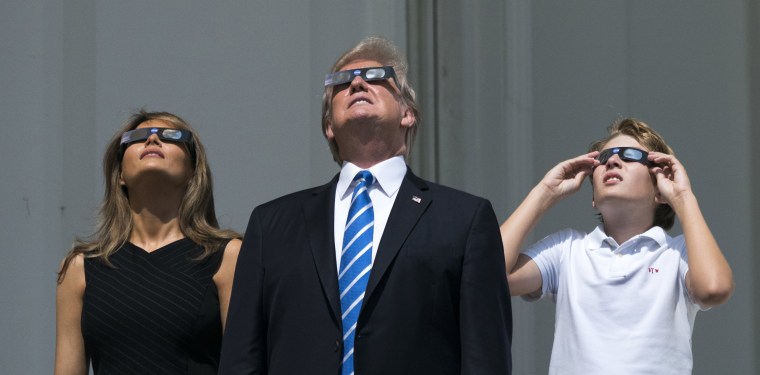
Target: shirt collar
(599, 239)
(388, 176)
(657, 234)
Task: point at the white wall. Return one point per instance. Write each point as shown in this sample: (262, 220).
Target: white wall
(513, 88)
(30, 208)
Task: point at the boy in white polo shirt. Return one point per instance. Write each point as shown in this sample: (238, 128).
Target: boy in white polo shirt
(626, 293)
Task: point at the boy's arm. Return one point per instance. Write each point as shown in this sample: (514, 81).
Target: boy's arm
(564, 179)
(709, 279)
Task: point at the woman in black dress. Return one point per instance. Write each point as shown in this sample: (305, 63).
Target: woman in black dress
(148, 294)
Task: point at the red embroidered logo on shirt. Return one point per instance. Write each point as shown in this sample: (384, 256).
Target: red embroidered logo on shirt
(654, 270)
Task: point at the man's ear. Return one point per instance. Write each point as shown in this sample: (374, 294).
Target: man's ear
(408, 119)
(328, 130)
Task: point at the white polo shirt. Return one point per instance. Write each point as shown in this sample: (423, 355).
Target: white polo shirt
(621, 309)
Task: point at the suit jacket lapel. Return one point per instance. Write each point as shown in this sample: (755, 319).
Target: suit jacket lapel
(411, 202)
(319, 214)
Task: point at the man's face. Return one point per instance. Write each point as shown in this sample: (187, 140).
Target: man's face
(361, 109)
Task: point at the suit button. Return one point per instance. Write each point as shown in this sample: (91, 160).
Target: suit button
(358, 337)
(337, 345)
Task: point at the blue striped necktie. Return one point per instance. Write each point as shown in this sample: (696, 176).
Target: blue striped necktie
(355, 263)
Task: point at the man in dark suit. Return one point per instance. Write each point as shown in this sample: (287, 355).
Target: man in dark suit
(378, 271)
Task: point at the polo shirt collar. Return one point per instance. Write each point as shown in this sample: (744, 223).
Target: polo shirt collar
(599, 239)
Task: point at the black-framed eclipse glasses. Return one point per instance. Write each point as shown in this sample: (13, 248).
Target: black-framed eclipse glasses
(626, 154)
(164, 134)
(377, 73)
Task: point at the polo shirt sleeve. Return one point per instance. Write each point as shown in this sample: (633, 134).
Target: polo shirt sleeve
(547, 254)
(679, 244)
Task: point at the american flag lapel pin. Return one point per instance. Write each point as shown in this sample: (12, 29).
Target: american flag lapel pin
(416, 199)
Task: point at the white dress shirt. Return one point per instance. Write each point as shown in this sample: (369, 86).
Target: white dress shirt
(388, 177)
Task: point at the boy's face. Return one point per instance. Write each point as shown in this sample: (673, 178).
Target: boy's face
(623, 181)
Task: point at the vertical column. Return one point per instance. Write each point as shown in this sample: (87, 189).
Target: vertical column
(518, 112)
(422, 50)
(472, 66)
(753, 36)
(81, 188)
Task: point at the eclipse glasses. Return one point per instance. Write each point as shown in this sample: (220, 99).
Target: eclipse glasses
(626, 154)
(164, 134)
(368, 74)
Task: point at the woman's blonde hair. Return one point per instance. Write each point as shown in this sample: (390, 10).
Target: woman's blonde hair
(197, 218)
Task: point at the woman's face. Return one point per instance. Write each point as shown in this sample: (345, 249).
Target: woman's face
(155, 160)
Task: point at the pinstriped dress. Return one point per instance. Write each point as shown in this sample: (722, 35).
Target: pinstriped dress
(154, 313)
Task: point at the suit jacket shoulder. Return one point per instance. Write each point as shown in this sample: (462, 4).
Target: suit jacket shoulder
(295, 199)
(450, 195)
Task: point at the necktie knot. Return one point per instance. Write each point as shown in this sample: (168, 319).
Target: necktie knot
(365, 178)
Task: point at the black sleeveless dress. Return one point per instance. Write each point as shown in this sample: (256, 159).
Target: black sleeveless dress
(154, 313)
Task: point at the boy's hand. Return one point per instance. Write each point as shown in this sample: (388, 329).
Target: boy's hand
(567, 177)
(672, 180)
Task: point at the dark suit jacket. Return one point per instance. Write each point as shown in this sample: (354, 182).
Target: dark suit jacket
(437, 300)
